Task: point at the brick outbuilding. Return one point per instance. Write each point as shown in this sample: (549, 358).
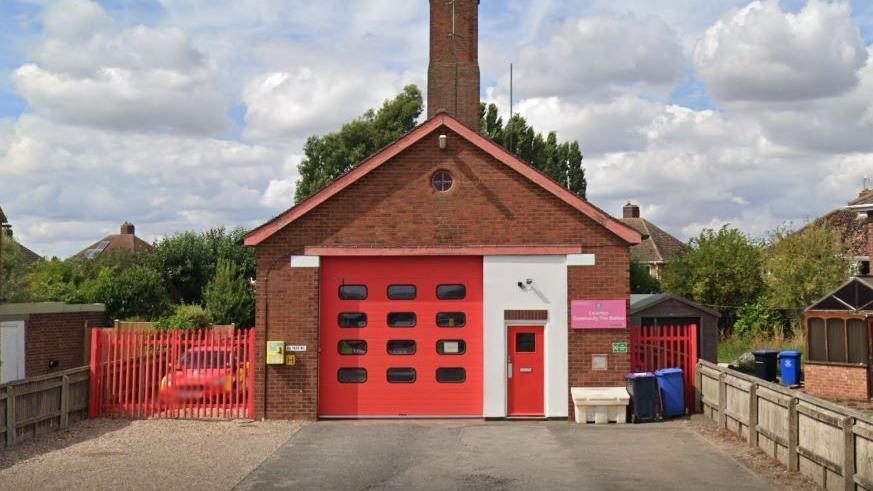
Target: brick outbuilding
(442, 276)
(44, 337)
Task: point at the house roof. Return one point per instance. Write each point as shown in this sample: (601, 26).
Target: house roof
(115, 242)
(863, 201)
(641, 302)
(657, 245)
(849, 225)
(615, 226)
(27, 255)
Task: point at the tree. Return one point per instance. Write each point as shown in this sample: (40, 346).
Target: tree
(56, 281)
(229, 297)
(13, 271)
(560, 161)
(134, 292)
(188, 260)
(641, 279)
(801, 267)
(329, 156)
(720, 268)
(332, 155)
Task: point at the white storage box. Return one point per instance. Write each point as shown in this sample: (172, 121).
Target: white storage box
(600, 404)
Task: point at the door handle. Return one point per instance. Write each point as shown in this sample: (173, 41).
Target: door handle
(525, 370)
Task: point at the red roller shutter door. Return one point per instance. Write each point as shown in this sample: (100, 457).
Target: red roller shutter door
(420, 370)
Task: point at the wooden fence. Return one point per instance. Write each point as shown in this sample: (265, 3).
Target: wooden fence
(830, 443)
(41, 404)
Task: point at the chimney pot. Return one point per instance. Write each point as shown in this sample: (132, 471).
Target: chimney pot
(631, 210)
(127, 228)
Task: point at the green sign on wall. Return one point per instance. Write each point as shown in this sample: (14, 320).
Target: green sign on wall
(619, 348)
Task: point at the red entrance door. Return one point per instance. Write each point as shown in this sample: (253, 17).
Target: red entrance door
(526, 371)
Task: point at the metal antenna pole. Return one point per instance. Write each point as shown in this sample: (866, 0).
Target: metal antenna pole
(510, 91)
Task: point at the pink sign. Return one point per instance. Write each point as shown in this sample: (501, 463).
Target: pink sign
(598, 314)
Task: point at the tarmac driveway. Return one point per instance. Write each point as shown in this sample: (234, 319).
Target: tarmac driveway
(499, 455)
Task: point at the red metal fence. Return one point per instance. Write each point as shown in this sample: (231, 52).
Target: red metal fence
(172, 374)
(656, 347)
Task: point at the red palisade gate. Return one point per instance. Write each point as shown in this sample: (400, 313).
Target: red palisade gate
(172, 374)
(656, 347)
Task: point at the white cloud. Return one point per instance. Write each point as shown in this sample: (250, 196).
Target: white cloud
(55, 174)
(608, 126)
(584, 57)
(279, 193)
(313, 99)
(87, 70)
(761, 53)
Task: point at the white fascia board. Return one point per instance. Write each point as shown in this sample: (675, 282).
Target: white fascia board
(581, 260)
(305, 261)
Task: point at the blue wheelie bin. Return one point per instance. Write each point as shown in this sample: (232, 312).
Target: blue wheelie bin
(789, 365)
(672, 386)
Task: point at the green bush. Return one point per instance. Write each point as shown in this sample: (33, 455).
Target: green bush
(186, 317)
(756, 319)
(641, 280)
(136, 291)
(189, 260)
(229, 297)
(719, 268)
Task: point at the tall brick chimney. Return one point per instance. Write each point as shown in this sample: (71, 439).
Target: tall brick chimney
(453, 73)
(127, 228)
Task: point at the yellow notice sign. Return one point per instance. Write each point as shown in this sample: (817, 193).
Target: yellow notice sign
(275, 352)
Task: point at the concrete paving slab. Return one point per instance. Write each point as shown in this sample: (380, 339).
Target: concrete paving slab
(450, 455)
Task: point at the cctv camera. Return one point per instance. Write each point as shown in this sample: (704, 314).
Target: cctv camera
(521, 285)
(529, 281)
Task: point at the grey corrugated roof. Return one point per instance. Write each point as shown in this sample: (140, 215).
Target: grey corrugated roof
(641, 302)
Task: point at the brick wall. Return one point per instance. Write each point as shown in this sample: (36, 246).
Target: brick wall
(453, 69)
(837, 382)
(60, 337)
(291, 392)
(608, 279)
(395, 206)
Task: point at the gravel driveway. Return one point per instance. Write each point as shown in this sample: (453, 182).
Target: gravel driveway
(157, 454)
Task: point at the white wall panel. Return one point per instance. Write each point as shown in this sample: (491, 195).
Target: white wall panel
(547, 292)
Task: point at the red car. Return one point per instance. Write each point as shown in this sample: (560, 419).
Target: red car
(204, 373)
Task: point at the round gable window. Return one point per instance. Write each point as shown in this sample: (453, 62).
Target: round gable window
(442, 180)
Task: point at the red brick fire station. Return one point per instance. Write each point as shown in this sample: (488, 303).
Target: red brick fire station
(441, 277)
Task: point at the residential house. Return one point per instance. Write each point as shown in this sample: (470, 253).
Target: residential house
(657, 248)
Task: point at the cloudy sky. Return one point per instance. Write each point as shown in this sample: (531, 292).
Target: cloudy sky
(186, 114)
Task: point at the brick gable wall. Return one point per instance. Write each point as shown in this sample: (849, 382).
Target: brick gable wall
(395, 206)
